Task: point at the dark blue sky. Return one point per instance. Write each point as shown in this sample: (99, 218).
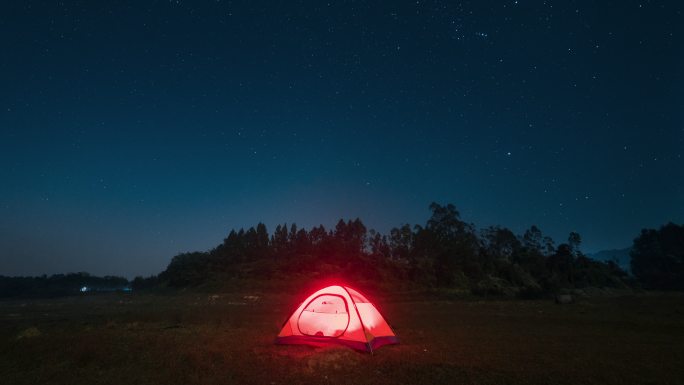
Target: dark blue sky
(132, 131)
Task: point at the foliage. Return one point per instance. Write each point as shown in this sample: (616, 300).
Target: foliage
(658, 257)
(445, 253)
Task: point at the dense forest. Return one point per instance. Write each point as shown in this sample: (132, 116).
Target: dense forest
(657, 258)
(446, 252)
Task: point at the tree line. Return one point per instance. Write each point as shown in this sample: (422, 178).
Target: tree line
(58, 285)
(445, 252)
(657, 258)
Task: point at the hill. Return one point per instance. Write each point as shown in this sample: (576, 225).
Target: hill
(619, 256)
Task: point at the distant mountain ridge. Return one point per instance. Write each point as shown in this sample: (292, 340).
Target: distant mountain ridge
(619, 256)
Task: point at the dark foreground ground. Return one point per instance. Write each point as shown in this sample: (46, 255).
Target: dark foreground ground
(227, 338)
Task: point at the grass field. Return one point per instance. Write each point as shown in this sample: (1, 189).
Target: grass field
(227, 338)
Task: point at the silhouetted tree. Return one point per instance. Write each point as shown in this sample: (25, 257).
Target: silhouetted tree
(446, 252)
(533, 254)
(500, 243)
(350, 237)
(532, 239)
(574, 241)
(455, 246)
(262, 241)
(401, 242)
(379, 247)
(561, 265)
(658, 257)
(186, 269)
(301, 244)
(279, 241)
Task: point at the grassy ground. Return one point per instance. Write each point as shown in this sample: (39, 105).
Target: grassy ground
(205, 339)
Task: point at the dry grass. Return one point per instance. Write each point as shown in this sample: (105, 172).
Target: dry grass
(204, 339)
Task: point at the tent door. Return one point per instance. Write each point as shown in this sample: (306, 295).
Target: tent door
(327, 315)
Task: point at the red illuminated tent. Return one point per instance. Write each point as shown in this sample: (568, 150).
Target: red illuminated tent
(337, 315)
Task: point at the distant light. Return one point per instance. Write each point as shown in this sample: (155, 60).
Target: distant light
(84, 289)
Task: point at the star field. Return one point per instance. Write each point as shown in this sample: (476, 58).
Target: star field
(134, 131)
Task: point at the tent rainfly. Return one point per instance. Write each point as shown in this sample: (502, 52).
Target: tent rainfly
(337, 315)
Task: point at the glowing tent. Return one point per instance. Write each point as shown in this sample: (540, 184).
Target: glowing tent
(337, 315)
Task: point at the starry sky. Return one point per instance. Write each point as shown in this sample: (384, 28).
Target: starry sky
(132, 131)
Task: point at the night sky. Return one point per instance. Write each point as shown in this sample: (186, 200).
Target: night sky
(131, 131)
